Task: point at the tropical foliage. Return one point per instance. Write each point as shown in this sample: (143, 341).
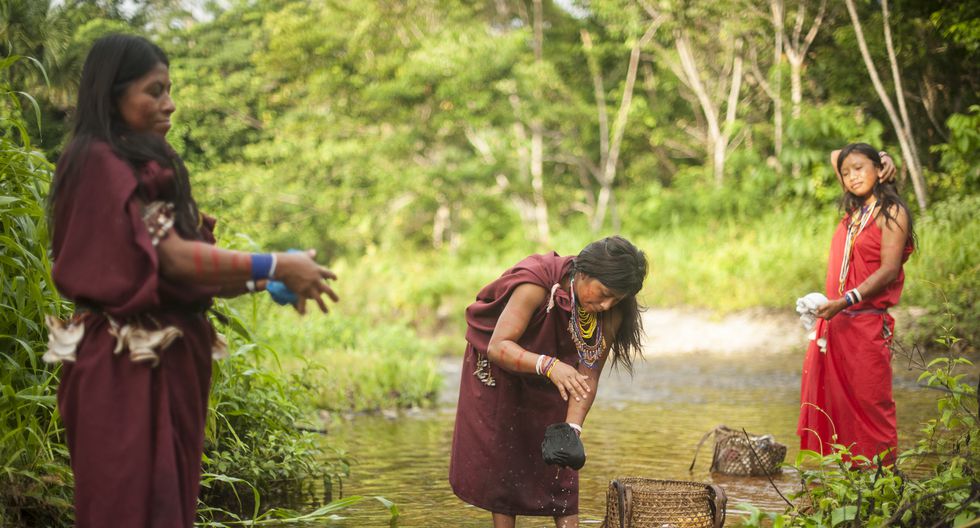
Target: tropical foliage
(422, 147)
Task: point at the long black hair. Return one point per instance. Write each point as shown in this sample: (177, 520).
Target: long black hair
(621, 267)
(886, 193)
(113, 63)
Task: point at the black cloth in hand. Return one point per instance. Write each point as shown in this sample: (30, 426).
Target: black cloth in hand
(563, 447)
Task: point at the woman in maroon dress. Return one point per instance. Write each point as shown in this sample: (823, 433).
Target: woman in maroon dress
(537, 340)
(846, 393)
(132, 251)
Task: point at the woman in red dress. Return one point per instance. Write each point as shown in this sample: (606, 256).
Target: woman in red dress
(537, 340)
(132, 251)
(846, 391)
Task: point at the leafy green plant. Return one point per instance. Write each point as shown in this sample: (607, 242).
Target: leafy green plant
(259, 443)
(254, 436)
(35, 480)
(936, 483)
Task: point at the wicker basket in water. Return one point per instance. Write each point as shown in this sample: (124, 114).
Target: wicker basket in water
(743, 454)
(636, 502)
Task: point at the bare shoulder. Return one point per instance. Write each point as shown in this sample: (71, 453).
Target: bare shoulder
(896, 219)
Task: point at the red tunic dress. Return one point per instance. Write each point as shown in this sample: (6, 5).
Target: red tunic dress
(135, 432)
(496, 459)
(847, 391)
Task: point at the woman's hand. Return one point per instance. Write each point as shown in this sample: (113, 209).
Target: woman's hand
(569, 381)
(301, 274)
(887, 172)
(832, 308)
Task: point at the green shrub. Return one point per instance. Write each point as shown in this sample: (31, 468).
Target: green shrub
(841, 490)
(35, 480)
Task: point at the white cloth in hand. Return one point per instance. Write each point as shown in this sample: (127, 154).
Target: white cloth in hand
(807, 307)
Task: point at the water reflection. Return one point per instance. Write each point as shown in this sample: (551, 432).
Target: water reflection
(645, 426)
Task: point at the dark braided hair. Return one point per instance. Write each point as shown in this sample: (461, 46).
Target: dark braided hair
(113, 63)
(621, 267)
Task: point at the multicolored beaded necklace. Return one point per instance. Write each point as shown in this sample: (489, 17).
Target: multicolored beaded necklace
(584, 326)
(854, 228)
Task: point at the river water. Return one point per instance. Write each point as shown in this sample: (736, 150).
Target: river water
(645, 425)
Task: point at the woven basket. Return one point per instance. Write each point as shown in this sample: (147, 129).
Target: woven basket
(736, 454)
(636, 502)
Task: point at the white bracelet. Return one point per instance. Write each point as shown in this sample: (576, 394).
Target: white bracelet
(577, 427)
(272, 268)
(250, 285)
(857, 294)
(537, 366)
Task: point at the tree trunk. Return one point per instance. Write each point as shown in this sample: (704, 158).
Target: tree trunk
(796, 49)
(716, 148)
(608, 173)
(537, 140)
(899, 91)
(904, 140)
(777, 9)
(796, 98)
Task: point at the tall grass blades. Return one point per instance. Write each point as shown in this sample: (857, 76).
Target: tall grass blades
(35, 480)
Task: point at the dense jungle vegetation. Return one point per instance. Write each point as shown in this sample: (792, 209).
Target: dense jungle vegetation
(422, 147)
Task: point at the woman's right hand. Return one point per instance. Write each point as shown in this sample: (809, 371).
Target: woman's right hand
(569, 381)
(301, 274)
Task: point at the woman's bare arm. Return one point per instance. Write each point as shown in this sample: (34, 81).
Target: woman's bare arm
(196, 262)
(504, 351)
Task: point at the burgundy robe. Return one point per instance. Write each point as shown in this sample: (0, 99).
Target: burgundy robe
(847, 391)
(496, 459)
(135, 432)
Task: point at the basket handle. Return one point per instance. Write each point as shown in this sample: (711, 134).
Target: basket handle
(720, 500)
(698, 448)
(620, 500)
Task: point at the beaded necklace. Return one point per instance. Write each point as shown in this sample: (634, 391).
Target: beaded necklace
(584, 326)
(854, 228)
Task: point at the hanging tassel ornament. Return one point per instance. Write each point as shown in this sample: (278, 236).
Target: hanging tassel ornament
(482, 371)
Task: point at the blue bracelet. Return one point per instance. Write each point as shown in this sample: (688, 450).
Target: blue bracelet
(281, 294)
(261, 265)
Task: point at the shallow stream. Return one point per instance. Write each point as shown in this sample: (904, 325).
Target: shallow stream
(647, 425)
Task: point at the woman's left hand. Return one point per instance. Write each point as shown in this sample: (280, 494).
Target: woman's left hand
(887, 172)
(831, 308)
(569, 381)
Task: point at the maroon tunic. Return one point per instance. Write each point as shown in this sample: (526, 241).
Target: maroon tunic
(135, 432)
(496, 459)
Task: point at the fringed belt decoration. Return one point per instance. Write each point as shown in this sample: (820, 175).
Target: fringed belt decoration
(144, 344)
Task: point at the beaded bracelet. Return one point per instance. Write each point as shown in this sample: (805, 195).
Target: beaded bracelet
(550, 368)
(547, 364)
